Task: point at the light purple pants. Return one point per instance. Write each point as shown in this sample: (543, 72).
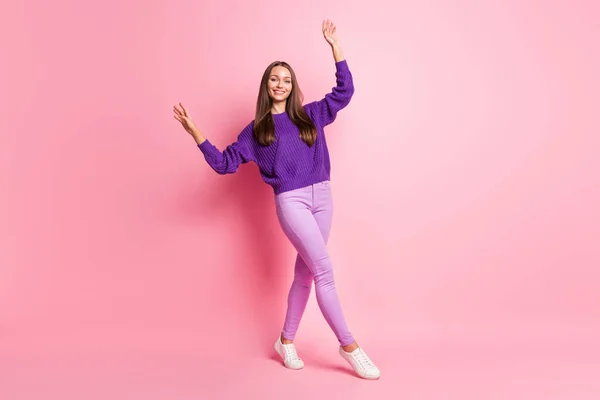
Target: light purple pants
(305, 216)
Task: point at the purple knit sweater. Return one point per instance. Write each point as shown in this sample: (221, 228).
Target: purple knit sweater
(287, 163)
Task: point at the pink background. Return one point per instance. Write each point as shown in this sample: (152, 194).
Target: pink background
(466, 184)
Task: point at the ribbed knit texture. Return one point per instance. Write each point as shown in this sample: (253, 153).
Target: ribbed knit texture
(288, 163)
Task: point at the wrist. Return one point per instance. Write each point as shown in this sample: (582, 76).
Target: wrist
(197, 136)
(338, 55)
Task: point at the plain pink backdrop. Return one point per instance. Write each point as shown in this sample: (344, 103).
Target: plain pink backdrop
(466, 185)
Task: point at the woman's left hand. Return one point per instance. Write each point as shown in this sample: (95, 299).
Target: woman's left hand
(329, 32)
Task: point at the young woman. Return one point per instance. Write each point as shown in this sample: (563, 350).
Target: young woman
(287, 142)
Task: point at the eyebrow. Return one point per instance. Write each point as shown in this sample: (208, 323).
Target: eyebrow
(277, 76)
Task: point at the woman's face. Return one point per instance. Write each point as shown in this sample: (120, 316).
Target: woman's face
(279, 84)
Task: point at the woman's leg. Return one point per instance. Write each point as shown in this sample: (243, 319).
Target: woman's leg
(305, 217)
(297, 299)
(302, 283)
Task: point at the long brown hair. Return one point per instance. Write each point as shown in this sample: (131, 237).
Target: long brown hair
(264, 127)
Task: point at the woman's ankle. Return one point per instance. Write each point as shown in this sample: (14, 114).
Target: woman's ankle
(351, 347)
(286, 341)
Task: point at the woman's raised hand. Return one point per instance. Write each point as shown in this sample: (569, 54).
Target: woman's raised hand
(328, 28)
(182, 115)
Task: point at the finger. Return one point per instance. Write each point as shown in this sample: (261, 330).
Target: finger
(184, 110)
(178, 110)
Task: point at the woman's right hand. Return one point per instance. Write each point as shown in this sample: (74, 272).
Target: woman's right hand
(183, 116)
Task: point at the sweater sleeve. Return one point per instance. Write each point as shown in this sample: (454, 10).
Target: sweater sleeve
(325, 110)
(229, 160)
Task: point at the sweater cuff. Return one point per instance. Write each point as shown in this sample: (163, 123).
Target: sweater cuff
(341, 64)
(204, 146)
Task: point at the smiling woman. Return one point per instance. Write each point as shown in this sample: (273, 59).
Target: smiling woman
(287, 141)
(280, 85)
(280, 93)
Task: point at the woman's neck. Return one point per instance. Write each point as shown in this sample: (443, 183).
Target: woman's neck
(278, 108)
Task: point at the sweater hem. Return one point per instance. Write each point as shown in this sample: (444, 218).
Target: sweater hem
(293, 185)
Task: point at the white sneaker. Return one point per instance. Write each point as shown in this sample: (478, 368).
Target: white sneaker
(362, 364)
(288, 354)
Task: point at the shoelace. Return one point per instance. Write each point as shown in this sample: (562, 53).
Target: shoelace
(290, 352)
(363, 360)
